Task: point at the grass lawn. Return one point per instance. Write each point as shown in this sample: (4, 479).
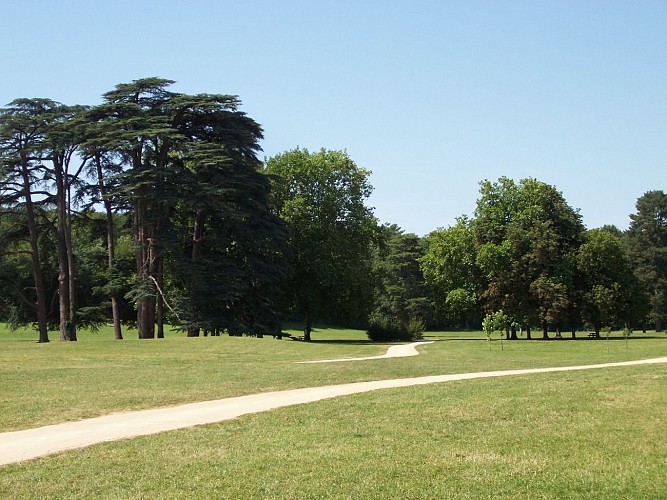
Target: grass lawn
(597, 434)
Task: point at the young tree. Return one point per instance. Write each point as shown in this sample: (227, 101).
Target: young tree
(321, 197)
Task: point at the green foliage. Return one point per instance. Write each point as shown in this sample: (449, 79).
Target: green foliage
(321, 197)
(387, 329)
(612, 293)
(400, 291)
(647, 245)
(450, 269)
(496, 321)
(524, 235)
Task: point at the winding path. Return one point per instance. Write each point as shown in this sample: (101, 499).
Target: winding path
(28, 444)
(394, 351)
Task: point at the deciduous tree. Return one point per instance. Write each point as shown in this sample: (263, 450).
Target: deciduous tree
(321, 196)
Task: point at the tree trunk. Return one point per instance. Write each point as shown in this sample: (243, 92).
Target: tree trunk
(513, 332)
(63, 288)
(61, 250)
(558, 331)
(111, 248)
(160, 298)
(34, 251)
(528, 337)
(197, 235)
(70, 262)
(545, 330)
(307, 327)
(144, 257)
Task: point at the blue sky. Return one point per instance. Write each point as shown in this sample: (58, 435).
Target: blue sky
(431, 96)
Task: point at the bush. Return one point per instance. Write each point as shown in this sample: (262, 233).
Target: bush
(416, 327)
(384, 329)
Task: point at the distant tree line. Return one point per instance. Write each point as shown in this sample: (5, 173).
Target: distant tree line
(153, 208)
(527, 255)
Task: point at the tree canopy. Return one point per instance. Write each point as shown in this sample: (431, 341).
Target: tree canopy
(153, 207)
(321, 196)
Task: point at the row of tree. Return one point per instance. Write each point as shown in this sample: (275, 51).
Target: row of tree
(184, 170)
(153, 207)
(527, 253)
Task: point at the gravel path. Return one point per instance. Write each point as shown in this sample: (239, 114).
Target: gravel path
(33, 443)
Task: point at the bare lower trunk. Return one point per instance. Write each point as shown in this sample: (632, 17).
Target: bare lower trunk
(160, 299)
(63, 261)
(197, 237)
(70, 265)
(545, 330)
(144, 257)
(558, 331)
(307, 327)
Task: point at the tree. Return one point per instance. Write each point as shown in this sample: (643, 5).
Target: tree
(450, 270)
(321, 198)
(612, 293)
(22, 132)
(400, 292)
(104, 166)
(61, 144)
(233, 243)
(164, 142)
(647, 243)
(525, 235)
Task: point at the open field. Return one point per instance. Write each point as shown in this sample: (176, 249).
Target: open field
(583, 434)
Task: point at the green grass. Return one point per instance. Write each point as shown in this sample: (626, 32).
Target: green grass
(59, 381)
(595, 434)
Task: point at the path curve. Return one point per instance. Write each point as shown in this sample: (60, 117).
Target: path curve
(28, 444)
(394, 351)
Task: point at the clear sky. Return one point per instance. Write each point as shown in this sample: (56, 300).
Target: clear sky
(431, 96)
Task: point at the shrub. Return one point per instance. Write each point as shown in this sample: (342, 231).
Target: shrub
(385, 329)
(416, 327)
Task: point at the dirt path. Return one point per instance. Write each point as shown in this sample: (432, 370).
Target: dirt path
(394, 351)
(33, 443)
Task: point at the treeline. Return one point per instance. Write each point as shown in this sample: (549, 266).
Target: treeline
(526, 257)
(153, 208)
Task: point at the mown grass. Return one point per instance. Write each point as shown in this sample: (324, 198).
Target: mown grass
(597, 434)
(581, 435)
(60, 381)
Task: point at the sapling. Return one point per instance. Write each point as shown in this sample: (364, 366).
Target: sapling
(487, 325)
(626, 334)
